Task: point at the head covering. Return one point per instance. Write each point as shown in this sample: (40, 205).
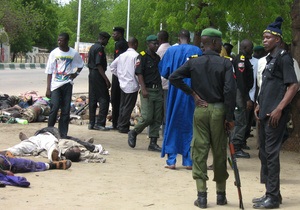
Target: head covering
(228, 44)
(104, 34)
(119, 29)
(275, 28)
(211, 32)
(258, 48)
(151, 38)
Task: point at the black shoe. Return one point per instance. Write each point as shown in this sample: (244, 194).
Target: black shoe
(154, 148)
(91, 126)
(267, 203)
(241, 154)
(201, 201)
(221, 198)
(132, 138)
(123, 131)
(2, 184)
(264, 197)
(245, 147)
(101, 128)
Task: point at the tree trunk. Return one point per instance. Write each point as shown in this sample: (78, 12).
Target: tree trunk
(293, 143)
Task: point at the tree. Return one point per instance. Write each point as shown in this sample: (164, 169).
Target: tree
(28, 23)
(293, 143)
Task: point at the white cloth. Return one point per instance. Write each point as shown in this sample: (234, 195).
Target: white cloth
(35, 144)
(124, 68)
(261, 64)
(254, 62)
(85, 155)
(162, 49)
(161, 52)
(60, 64)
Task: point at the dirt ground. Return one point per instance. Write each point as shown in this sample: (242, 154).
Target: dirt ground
(134, 179)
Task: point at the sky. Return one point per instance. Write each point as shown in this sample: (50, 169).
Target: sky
(63, 1)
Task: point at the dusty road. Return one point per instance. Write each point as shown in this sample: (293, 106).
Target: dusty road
(134, 179)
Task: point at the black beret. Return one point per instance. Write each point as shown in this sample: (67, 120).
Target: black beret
(119, 29)
(104, 34)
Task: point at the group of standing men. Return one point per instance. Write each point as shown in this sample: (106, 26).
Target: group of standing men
(207, 92)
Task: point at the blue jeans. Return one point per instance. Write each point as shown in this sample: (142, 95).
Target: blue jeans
(61, 99)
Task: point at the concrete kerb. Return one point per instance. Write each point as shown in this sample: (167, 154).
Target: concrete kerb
(13, 66)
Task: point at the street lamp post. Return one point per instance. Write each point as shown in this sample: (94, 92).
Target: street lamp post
(128, 19)
(78, 26)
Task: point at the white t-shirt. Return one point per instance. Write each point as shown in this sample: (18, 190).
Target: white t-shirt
(60, 64)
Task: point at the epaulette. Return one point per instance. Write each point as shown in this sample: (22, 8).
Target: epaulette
(230, 58)
(192, 56)
(242, 58)
(143, 53)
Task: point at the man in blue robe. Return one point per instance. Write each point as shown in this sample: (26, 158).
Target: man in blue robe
(180, 106)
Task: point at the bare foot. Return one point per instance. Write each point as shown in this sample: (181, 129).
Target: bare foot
(22, 136)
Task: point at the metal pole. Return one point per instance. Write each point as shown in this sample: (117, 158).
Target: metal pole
(78, 26)
(128, 19)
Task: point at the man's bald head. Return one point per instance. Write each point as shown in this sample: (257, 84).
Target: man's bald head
(133, 43)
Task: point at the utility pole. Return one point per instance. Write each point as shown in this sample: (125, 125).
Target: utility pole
(78, 26)
(128, 20)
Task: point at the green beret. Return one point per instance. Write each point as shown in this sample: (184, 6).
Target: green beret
(151, 38)
(258, 48)
(211, 32)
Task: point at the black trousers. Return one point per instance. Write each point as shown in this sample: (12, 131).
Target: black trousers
(128, 101)
(98, 93)
(61, 99)
(269, 151)
(115, 100)
(90, 147)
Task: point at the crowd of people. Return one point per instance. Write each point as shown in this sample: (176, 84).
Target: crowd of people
(196, 94)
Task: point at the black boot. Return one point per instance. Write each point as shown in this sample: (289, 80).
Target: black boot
(132, 138)
(221, 198)
(201, 201)
(153, 145)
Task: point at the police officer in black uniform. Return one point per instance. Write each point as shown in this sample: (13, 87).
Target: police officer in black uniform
(279, 86)
(121, 46)
(151, 95)
(98, 83)
(244, 79)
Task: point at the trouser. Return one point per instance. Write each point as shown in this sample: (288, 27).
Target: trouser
(128, 101)
(21, 165)
(61, 99)
(186, 159)
(240, 123)
(269, 150)
(90, 147)
(209, 131)
(115, 100)
(151, 112)
(36, 144)
(98, 92)
(250, 120)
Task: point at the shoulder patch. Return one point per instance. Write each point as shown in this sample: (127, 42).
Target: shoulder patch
(192, 56)
(227, 57)
(143, 53)
(242, 57)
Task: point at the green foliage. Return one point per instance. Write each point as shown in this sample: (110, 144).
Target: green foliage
(38, 22)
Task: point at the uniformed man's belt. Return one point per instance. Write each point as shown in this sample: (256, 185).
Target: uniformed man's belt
(153, 85)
